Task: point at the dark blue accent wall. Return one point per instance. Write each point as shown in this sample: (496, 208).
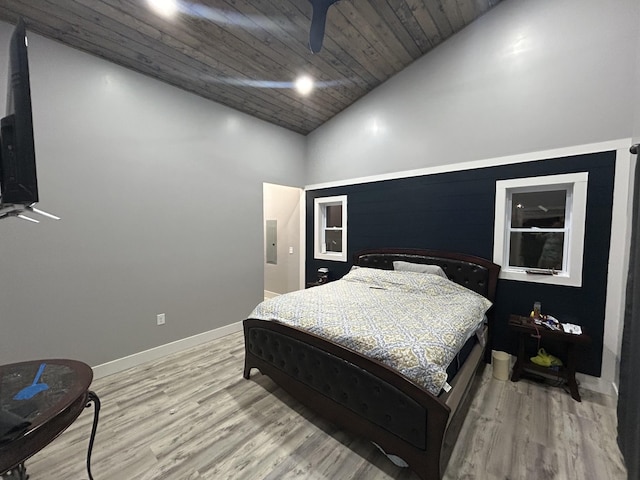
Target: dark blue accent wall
(455, 211)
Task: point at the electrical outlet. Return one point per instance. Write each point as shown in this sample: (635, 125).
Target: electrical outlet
(161, 318)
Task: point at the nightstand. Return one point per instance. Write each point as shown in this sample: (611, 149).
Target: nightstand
(526, 328)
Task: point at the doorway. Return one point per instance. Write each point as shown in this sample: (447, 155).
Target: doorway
(283, 224)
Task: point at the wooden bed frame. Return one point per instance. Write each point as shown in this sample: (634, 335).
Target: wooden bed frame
(365, 396)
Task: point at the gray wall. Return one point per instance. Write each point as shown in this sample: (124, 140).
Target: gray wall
(528, 76)
(160, 194)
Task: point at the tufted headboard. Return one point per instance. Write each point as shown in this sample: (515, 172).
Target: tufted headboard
(474, 273)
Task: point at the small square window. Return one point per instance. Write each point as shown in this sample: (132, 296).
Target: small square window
(330, 228)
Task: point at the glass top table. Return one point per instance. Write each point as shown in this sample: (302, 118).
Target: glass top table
(50, 395)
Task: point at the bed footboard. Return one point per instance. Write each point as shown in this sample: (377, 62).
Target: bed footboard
(352, 391)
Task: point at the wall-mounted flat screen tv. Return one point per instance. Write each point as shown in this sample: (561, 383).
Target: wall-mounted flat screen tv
(18, 181)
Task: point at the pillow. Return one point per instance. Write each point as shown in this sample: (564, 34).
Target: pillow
(419, 268)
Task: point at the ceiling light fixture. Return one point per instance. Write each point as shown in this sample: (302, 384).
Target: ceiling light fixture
(304, 85)
(166, 8)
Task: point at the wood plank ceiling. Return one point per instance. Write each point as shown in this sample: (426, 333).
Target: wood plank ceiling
(246, 54)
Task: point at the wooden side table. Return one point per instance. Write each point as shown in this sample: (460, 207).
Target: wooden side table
(527, 328)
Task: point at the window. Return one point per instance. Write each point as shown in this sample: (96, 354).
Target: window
(539, 228)
(330, 228)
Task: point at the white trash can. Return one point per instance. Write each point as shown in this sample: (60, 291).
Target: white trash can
(501, 362)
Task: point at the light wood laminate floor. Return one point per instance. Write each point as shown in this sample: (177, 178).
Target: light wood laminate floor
(192, 416)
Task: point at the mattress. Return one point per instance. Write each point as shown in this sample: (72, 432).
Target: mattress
(415, 323)
(456, 364)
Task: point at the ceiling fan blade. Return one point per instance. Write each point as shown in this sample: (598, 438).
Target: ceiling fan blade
(318, 22)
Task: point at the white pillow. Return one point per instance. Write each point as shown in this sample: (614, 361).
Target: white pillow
(419, 268)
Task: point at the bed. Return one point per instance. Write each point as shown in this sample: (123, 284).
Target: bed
(405, 418)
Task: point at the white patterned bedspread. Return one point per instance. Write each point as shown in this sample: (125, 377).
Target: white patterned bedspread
(412, 322)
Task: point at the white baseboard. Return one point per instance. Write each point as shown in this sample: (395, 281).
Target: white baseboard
(597, 384)
(268, 294)
(155, 353)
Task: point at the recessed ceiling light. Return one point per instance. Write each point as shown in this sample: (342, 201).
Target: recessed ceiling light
(166, 8)
(304, 85)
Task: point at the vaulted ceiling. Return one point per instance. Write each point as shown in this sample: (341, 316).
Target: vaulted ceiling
(246, 54)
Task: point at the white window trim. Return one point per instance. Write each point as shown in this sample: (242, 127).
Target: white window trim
(319, 205)
(577, 217)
